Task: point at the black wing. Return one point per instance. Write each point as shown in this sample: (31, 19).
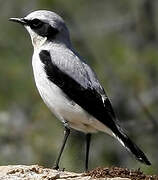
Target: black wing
(96, 104)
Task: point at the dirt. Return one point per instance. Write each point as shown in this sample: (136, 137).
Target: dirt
(120, 172)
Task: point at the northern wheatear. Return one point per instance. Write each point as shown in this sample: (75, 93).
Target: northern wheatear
(68, 86)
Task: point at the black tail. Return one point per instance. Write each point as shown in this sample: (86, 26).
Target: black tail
(132, 147)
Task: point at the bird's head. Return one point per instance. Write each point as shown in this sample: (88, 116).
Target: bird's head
(45, 26)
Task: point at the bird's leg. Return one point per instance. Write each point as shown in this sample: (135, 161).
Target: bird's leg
(66, 134)
(88, 140)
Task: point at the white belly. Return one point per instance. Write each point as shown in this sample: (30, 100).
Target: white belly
(60, 104)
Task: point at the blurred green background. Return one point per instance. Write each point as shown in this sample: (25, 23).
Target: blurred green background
(119, 40)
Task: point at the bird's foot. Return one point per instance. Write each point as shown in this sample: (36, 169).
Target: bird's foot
(56, 167)
(86, 170)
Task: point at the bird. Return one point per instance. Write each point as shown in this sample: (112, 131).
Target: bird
(69, 86)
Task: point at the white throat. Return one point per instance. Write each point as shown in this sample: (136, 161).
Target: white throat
(37, 41)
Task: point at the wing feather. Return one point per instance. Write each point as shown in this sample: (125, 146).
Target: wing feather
(80, 84)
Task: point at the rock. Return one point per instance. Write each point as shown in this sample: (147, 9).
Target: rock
(35, 172)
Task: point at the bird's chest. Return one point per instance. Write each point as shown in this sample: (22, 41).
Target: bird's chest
(39, 73)
(52, 95)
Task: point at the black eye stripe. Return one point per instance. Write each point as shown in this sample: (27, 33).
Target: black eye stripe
(35, 23)
(52, 32)
(45, 31)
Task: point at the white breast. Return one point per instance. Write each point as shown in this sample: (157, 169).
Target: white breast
(60, 104)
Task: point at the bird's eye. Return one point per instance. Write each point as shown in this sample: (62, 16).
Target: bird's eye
(36, 23)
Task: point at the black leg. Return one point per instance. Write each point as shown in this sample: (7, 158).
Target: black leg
(88, 140)
(66, 134)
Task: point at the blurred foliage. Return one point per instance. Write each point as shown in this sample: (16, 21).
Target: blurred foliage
(119, 40)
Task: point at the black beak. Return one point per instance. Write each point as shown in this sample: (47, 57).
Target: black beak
(19, 20)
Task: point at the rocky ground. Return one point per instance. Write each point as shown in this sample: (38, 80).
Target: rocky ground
(35, 172)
